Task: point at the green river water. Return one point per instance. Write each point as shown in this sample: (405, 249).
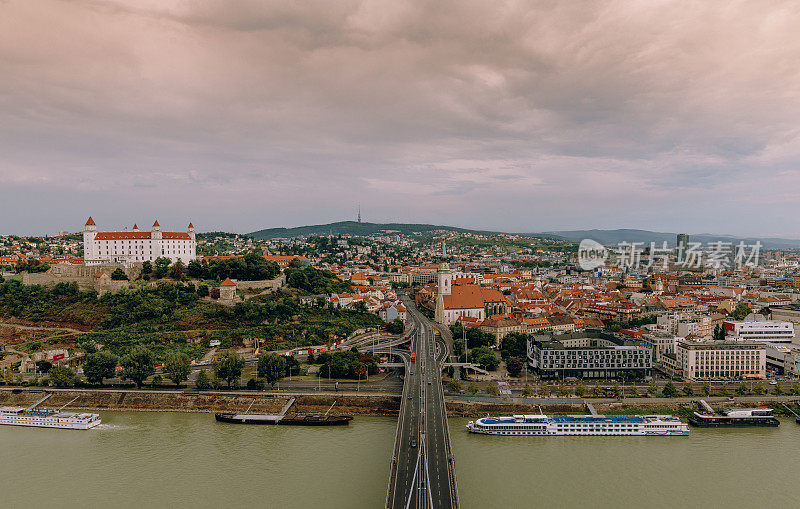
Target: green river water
(176, 460)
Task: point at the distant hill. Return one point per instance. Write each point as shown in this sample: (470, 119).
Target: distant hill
(628, 235)
(603, 236)
(356, 228)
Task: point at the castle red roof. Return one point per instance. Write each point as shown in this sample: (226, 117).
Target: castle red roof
(156, 224)
(90, 222)
(140, 235)
(227, 282)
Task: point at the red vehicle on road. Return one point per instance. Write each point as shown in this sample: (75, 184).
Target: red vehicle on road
(413, 356)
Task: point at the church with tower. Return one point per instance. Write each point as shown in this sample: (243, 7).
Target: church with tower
(465, 299)
(129, 247)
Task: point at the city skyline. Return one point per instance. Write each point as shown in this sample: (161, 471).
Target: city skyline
(524, 117)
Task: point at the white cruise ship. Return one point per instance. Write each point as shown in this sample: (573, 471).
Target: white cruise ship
(46, 418)
(565, 425)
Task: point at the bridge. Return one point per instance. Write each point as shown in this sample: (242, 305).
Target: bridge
(422, 474)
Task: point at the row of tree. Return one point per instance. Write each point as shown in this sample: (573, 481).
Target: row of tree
(137, 366)
(349, 364)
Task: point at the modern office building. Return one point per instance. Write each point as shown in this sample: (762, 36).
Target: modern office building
(590, 353)
(713, 360)
(770, 332)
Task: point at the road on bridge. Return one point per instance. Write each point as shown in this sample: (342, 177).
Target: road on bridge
(422, 474)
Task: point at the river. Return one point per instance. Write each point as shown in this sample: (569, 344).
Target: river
(177, 460)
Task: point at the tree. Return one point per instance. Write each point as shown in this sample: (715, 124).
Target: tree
(472, 388)
(396, 326)
(195, 270)
(454, 386)
(177, 366)
(706, 388)
(580, 390)
(597, 391)
(485, 357)
(514, 344)
(147, 268)
(795, 390)
(688, 390)
(741, 311)
(514, 366)
(527, 391)
(177, 270)
(202, 290)
(99, 365)
(43, 366)
(652, 389)
(544, 390)
(670, 391)
(759, 389)
(119, 275)
(162, 266)
(563, 390)
(272, 367)
(228, 366)
(202, 381)
(617, 390)
(310, 359)
(742, 389)
(137, 365)
(62, 376)
(492, 390)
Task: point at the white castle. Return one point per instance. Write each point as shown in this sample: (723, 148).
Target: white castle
(129, 247)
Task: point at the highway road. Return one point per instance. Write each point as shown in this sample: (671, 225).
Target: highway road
(422, 474)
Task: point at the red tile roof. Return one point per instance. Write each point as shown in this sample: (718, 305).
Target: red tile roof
(140, 235)
(90, 222)
(156, 223)
(122, 235)
(227, 282)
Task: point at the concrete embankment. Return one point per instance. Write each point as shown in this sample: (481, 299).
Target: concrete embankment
(469, 408)
(212, 401)
(354, 404)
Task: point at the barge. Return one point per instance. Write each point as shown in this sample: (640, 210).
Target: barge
(282, 419)
(735, 417)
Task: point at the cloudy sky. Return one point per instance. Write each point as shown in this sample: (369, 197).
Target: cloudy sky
(519, 116)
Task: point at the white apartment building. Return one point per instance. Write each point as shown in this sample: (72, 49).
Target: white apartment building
(771, 332)
(697, 360)
(662, 344)
(783, 357)
(129, 247)
(668, 322)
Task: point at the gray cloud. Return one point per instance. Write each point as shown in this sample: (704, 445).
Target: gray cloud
(521, 116)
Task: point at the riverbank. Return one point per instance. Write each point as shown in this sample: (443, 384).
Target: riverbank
(363, 404)
(204, 402)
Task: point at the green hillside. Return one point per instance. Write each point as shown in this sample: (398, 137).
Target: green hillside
(356, 228)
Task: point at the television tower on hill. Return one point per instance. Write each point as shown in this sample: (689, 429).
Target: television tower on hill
(359, 212)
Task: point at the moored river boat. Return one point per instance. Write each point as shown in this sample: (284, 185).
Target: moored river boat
(735, 417)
